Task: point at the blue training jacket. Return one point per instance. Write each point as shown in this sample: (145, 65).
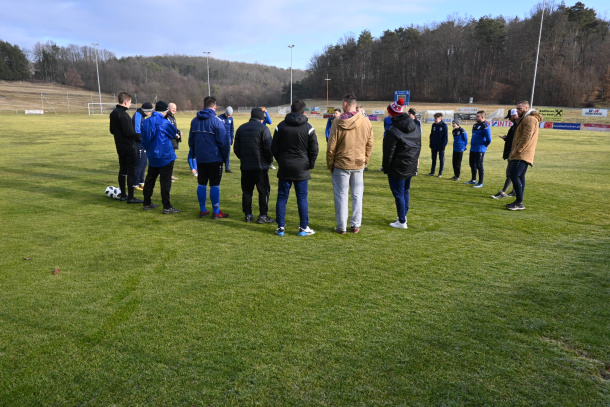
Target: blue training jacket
(157, 133)
(460, 140)
(208, 137)
(439, 136)
(228, 121)
(481, 137)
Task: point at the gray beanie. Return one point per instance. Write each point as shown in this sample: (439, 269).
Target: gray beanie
(457, 121)
(229, 111)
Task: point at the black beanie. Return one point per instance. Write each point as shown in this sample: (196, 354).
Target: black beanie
(257, 113)
(161, 106)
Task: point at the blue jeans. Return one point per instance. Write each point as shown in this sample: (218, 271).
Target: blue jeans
(517, 170)
(283, 191)
(400, 190)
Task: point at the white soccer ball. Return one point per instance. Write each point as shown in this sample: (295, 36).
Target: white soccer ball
(110, 192)
(117, 193)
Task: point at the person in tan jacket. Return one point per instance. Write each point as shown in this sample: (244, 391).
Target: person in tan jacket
(523, 150)
(348, 152)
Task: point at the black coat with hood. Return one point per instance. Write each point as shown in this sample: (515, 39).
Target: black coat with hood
(295, 147)
(401, 148)
(252, 145)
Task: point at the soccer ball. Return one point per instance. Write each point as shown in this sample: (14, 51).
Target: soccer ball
(113, 192)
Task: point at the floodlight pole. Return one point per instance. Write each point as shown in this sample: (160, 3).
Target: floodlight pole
(537, 54)
(207, 57)
(99, 89)
(291, 47)
(327, 79)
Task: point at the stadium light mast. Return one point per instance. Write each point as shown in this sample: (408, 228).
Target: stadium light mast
(327, 79)
(291, 47)
(99, 89)
(537, 54)
(207, 57)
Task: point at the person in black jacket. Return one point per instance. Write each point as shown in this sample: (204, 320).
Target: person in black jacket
(125, 138)
(252, 145)
(508, 144)
(295, 148)
(401, 148)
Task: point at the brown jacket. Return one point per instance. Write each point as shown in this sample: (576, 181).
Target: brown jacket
(526, 138)
(350, 143)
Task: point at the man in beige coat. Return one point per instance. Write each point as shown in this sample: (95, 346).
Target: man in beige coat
(350, 143)
(523, 150)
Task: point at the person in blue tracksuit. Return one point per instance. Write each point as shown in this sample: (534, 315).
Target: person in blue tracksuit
(439, 137)
(157, 135)
(266, 122)
(481, 138)
(208, 138)
(227, 119)
(460, 142)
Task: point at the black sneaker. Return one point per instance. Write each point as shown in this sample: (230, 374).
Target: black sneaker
(249, 218)
(150, 206)
(515, 206)
(499, 195)
(170, 210)
(512, 194)
(123, 198)
(134, 201)
(229, 171)
(430, 174)
(264, 219)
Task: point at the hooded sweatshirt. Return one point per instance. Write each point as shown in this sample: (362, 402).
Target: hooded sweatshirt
(157, 135)
(295, 147)
(350, 143)
(208, 139)
(526, 138)
(401, 148)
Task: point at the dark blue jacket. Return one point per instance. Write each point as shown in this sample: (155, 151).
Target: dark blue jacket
(387, 123)
(460, 140)
(267, 119)
(228, 121)
(329, 124)
(439, 136)
(481, 137)
(208, 138)
(157, 134)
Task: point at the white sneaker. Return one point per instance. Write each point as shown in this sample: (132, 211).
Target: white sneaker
(306, 232)
(272, 167)
(399, 225)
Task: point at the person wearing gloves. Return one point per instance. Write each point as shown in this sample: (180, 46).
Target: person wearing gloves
(481, 138)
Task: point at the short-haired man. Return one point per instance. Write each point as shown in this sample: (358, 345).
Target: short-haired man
(171, 116)
(348, 152)
(295, 148)
(253, 148)
(508, 144)
(481, 138)
(157, 135)
(208, 138)
(523, 151)
(125, 138)
(227, 119)
(439, 137)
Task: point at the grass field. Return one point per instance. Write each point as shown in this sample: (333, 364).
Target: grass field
(472, 305)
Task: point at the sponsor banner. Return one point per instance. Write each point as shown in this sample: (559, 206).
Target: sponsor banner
(34, 112)
(502, 123)
(316, 109)
(378, 112)
(546, 125)
(373, 118)
(596, 127)
(330, 110)
(552, 114)
(326, 116)
(468, 110)
(566, 126)
(595, 112)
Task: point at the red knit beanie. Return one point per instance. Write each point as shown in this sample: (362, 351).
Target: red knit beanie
(396, 108)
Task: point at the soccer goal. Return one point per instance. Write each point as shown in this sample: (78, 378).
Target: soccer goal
(100, 108)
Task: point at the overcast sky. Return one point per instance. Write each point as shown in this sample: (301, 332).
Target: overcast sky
(248, 31)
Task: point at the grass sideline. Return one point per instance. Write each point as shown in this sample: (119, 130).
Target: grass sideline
(472, 305)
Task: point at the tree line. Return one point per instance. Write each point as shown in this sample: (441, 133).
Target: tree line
(491, 59)
(177, 78)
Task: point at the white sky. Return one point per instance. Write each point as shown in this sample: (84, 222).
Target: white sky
(248, 31)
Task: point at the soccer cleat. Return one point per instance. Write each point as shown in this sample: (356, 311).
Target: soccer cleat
(219, 215)
(141, 185)
(399, 225)
(478, 186)
(471, 182)
(355, 229)
(280, 231)
(515, 206)
(150, 206)
(123, 198)
(203, 214)
(139, 188)
(134, 201)
(264, 219)
(511, 194)
(499, 195)
(249, 218)
(340, 231)
(306, 231)
(170, 210)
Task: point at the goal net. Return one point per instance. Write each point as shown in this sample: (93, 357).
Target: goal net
(100, 108)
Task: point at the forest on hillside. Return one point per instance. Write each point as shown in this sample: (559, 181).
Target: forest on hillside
(491, 59)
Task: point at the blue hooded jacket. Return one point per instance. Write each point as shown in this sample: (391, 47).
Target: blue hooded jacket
(460, 140)
(208, 138)
(157, 133)
(481, 137)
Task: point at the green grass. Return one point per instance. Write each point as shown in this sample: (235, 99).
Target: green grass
(472, 305)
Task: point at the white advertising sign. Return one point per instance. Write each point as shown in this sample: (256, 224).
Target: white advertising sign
(34, 112)
(595, 112)
(468, 110)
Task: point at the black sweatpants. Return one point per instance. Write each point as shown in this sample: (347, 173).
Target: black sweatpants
(250, 178)
(165, 174)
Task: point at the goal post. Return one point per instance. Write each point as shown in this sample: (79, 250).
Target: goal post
(100, 108)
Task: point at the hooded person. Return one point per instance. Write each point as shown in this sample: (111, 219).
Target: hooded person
(208, 139)
(401, 149)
